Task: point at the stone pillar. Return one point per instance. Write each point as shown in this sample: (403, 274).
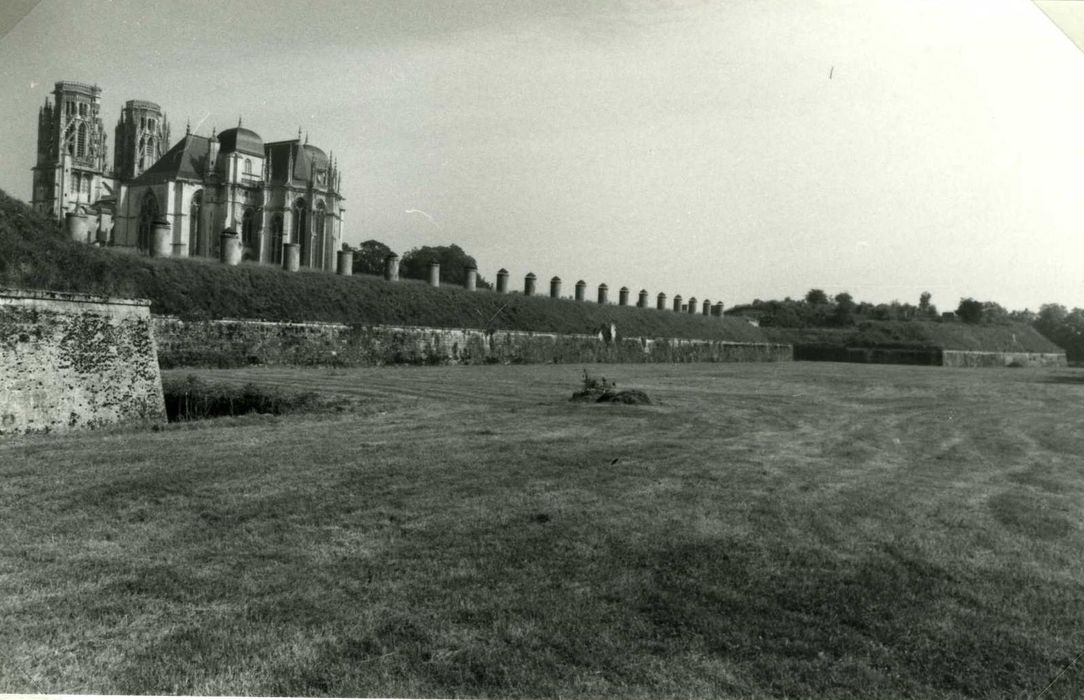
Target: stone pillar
(603, 290)
(707, 307)
(623, 296)
(642, 301)
(528, 285)
(555, 288)
(434, 274)
(180, 250)
(391, 268)
(344, 262)
(291, 257)
(677, 302)
(691, 305)
(229, 249)
(161, 239)
(660, 301)
(472, 279)
(502, 281)
(76, 225)
(581, 290)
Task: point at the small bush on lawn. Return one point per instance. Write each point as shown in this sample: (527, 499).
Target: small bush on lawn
(602, 390)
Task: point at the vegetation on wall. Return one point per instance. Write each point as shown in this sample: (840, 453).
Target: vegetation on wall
(840, 321)
(35, 254)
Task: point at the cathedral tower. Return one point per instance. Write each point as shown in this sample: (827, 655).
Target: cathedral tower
(140, 139)
(71, 150)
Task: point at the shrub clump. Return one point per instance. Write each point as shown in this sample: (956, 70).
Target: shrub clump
(191, 398)
(602, 390)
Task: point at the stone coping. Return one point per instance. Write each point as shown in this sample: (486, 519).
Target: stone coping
(76, 297)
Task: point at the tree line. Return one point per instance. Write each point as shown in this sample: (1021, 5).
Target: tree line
(369, 259)
(1063, 327)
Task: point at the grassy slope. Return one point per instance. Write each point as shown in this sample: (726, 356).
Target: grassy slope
(1016, 337)
(789, 529)
(33, 254)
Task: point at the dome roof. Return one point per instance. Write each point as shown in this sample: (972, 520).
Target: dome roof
(318, 157)
(241, 140)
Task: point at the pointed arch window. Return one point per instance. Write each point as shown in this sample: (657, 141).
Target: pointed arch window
(276, 239)
(250, 243)
(319, 221)
(148, 212)
(142, 152)
(195, 224)
(81, 143)
(300, 233)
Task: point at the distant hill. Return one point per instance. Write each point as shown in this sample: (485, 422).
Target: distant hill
(35, 254)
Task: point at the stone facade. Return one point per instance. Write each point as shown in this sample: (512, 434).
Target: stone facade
(72, 361)
(272, 195)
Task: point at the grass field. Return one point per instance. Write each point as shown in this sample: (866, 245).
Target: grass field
(768, 530)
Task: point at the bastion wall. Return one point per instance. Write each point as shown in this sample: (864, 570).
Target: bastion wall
(230, 343)
(970, 358)
(76, 361)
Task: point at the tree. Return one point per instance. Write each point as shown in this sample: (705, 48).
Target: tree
(453, 260)
(369, 258)
(816, 296)
(924, 302)
(1063, 328)
(844, 311)
(993, 312)
(969, 310)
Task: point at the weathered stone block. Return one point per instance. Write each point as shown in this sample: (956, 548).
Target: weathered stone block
(70, 361)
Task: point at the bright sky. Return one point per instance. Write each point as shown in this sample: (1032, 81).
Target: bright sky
(728, 150)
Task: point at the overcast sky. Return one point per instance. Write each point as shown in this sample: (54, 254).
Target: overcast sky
(729, 150)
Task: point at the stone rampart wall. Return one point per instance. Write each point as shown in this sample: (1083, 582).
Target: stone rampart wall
(928, 356)
(227, 343)
(75, 361)
(889, 356)
(968, 358)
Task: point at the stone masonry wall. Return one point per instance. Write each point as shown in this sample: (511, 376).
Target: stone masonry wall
(76, 361)
(227, 343)
(967, 358)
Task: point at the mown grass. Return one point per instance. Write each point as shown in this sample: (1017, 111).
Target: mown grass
(769, 530)
(34, 254)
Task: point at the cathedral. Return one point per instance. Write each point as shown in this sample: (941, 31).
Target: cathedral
(271, 194)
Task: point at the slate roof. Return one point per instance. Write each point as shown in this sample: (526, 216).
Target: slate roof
(241, 140)
(305, 157)
(187, 160)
